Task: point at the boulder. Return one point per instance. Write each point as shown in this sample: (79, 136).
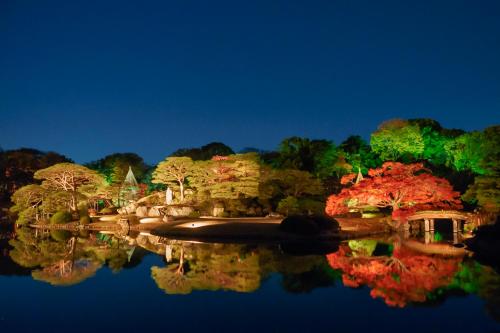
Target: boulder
(141, 211)
(179, 210)
(154, 212)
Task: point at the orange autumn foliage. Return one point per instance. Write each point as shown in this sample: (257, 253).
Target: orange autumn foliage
(405, 277)
(405, 188)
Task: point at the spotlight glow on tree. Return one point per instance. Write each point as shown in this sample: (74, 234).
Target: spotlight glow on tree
(403, 188)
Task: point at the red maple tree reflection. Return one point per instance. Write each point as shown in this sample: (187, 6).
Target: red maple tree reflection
(406, 276)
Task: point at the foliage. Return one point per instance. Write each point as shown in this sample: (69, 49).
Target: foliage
(397, 140)
(114, 167)
(301, 153)
(27, 201)
(465, 152)
(485, 192)
(85, 220)
(476, 151)
(71, 178)
(359, 154)
(18, 166)
(404, 278)
(289, 182)
(403, 188)
(362, 247)
(228, 177)
(174, 170)
(288, 206)
(210, 268)
(60, 217)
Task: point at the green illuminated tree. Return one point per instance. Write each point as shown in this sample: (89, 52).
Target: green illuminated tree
(466, 152)
(359, 154)
(301, 153)
(397, 140)
(114, 167)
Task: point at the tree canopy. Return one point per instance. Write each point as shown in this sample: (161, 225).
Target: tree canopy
(174, 170)
(403, 188)
(397, 139)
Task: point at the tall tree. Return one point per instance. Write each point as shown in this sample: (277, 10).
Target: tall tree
(359, 154)
(228, 177)
(301, 153)
(397, 139)
(174, 170)
(114, 167)
(70, 178)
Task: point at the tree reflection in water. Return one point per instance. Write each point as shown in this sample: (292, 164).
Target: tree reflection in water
(62, 258)
(403, 276)
(394, 272)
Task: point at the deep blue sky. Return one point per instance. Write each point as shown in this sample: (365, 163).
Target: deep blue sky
(88, 78)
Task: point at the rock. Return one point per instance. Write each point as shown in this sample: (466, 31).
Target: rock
(129, 209)
(218, 211)
(179, 210)
(141, 211)
(154, 212)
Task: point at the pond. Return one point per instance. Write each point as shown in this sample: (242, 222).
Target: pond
(61, 282)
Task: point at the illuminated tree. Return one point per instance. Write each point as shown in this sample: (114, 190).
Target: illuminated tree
(434, 143)
(466, 152)
(70, 178)
(27, 201)
(114, 167)
(228, 177)
(174, 170)
(397, 139)
(359, 154)
(403, 188)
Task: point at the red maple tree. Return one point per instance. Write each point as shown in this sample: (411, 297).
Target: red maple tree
(404, 188)
(407, 276)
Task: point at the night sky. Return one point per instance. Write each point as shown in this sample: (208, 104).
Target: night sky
(89, 78)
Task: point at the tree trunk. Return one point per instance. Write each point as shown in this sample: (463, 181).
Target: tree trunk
(181, 186)
(74, 206)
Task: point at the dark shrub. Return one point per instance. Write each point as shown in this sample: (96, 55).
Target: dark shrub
(326, 222)
(298, 224)
(85, 220)
(108, 210)
(60, 235)
(61, 217)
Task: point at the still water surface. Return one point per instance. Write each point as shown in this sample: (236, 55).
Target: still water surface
(96, 282)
